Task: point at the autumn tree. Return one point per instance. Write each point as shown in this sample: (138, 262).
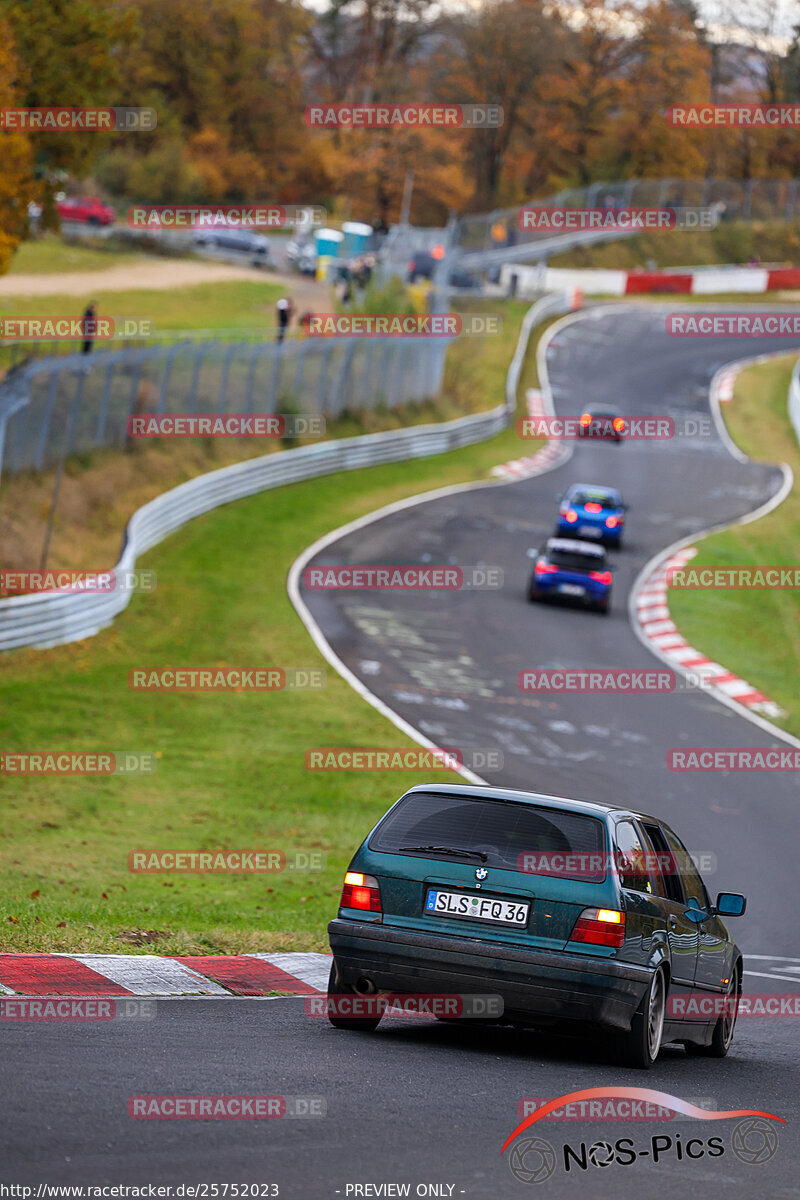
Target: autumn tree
(17, 187)
(70, 53)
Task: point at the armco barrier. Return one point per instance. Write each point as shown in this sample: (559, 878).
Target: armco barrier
(794, 399)
(48, 619)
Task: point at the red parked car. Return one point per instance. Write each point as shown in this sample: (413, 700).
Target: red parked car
(87, 209)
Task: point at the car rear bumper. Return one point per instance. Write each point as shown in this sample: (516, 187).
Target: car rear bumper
(537, 985)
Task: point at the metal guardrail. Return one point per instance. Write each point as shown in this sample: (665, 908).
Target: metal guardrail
(41, 620)
(794, 399)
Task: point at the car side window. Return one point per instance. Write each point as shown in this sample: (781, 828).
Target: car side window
(666, 863)
(632, 859)
(693, 884)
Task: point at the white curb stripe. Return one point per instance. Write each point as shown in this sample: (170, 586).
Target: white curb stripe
(150, 975)
(312, 969)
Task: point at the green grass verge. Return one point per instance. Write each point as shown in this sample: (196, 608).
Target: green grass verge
(754, 633)
(49, 255)
(730, 242)
(230, 766)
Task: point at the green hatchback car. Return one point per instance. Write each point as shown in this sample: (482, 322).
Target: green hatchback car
(577, 916)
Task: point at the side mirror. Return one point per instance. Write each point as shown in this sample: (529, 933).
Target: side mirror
(559, 496)
(532, 552)
(730, 904)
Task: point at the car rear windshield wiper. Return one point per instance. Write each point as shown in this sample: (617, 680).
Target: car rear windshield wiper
(450, 850)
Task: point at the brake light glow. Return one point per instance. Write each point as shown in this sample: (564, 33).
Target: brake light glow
(592, 507)
(361, 891)
(600, 927)
(543, 568)
(612, 522)
(601, 577)
(618, 424)
(571, 516)
(586, 419)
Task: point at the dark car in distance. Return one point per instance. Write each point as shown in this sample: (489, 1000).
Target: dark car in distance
(578, 916)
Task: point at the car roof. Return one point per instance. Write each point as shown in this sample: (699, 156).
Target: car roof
(595, 487)
(591, 808)
(573, 546)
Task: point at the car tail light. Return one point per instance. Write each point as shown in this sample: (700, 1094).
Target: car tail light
(543, 568)
(592, 507)
(361, 891)
(612, 522)
(586, 419)
(601, 577)
(600, 927)
(618, 424)
(571, 516)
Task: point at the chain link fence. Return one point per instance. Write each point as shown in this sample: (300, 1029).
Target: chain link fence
(54, 407)
(733, 200)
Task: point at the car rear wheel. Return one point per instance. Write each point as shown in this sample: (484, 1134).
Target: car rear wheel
(533, 594)
(604, 606)
(335, 990)
(722, 1036)
(641, 1046)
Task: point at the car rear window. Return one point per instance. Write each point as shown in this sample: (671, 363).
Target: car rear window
(576, 561)
(503, 831)
(594, 498)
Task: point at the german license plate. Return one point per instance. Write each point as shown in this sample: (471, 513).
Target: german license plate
(477, 908)
(572, 589)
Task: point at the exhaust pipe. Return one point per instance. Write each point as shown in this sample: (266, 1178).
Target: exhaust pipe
(365, 986)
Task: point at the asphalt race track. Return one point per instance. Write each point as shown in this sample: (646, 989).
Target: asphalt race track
(420, 1102)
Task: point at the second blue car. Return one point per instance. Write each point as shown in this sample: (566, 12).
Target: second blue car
(592, 512)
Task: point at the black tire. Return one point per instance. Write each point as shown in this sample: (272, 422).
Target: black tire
(533, 594)
(722, 1036)
(604, 607)
(361, 1024)
(641, 1046)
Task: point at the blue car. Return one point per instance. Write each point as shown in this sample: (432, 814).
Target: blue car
(592, 512)
(572, 571)
(566, 914)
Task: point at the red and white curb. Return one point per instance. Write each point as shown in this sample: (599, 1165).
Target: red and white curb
(658, 628)
(292, 974)
(699, 281)
(550, 455)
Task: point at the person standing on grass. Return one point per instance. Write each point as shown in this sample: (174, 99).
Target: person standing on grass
(284, 314)
(89, 327)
